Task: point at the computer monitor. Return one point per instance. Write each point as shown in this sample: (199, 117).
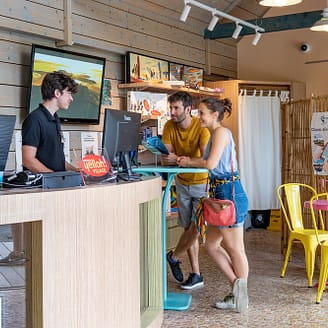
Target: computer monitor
(121, 138)
(7, 124)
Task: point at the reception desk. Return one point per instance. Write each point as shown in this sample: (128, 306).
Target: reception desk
(94, 254)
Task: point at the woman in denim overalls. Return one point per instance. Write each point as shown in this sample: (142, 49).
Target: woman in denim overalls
(220, 159)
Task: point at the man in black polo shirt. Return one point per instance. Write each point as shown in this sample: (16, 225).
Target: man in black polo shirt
(43, 145)
(42, 138)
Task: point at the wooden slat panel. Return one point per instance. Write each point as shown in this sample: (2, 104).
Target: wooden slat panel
(31, 12)
(9, 74)
(14, 52)
(13, 24)
(147, 24)
(12, 96)
(223, 49)
(58, 4)
(249, 8)
(224, 72)
(223, 62)
(89, 27)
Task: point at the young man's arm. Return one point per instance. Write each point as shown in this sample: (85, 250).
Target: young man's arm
(171, 158)
(31, 162)
(70, 167)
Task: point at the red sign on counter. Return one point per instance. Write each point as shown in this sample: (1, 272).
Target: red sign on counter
(94, 165)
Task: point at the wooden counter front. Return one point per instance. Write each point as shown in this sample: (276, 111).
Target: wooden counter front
(86, 254)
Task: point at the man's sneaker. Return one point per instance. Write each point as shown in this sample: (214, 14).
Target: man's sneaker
(13, 259)
(194, 280)
(175, 267)
(239, 291)
(228, 303)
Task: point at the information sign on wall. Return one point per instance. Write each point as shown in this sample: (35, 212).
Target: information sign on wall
(319, 142)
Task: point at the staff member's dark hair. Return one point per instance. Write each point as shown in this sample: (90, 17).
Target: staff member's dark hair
(57, 80)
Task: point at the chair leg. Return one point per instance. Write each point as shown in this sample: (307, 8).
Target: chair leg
(322, 279)
(284, 267)
(309, 262)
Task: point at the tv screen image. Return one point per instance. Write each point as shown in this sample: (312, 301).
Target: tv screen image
(86, 70)
(121, 138)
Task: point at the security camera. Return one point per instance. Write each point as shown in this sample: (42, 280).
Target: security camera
(305, 47)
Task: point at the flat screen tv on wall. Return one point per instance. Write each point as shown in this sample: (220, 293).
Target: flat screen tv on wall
(86, 70)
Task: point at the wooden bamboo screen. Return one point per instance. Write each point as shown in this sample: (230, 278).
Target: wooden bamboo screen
(296, 147)
(296, 140)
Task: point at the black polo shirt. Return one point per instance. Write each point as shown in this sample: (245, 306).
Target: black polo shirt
(42, 130)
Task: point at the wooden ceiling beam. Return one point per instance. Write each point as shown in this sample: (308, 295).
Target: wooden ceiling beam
(270, 24)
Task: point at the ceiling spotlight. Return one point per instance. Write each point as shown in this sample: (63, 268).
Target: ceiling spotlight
(237, 31)
(256, 38)
(185, 12)
(278, 3)
(322, 24)
(213, 22)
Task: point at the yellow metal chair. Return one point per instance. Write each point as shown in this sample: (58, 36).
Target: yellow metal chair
(292, 209)
(320, 207)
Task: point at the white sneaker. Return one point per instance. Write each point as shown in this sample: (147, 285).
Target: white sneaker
(239, 291)
(228, 303)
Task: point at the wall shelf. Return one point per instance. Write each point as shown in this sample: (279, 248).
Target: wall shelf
(160, 87)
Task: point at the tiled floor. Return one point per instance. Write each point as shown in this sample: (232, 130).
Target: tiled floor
(274, 302)
(12, 286)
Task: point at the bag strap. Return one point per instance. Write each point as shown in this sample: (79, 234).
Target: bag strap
(231, 165)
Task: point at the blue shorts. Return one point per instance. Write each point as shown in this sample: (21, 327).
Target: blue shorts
(236, 225)
(224, 191)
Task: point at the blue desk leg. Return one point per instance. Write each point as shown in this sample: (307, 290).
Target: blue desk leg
(172, 301)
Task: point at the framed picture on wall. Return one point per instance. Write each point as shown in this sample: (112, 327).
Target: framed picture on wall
(142, 68)
(192, 76)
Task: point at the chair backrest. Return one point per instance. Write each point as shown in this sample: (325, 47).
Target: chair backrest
(319, 204)
(289, 195)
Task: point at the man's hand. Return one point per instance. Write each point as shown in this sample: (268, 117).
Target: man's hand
(170, 159)
(183, 161)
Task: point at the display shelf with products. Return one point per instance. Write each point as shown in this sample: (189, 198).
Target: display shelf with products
(160, 87)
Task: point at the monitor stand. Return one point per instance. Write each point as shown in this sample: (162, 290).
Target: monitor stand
(129, 176)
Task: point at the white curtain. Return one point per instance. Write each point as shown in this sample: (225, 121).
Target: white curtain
(259, 138)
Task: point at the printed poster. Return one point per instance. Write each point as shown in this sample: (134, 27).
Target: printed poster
(319, 143)
(89, 141)
(18, 153)
(66, 146)
(149, 104)
(107, 93)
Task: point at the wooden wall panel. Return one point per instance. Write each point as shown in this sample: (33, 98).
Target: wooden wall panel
(12, 96)
(89, 27)
(225, 63)
(34, 13)
(227, 50)
(9, 75)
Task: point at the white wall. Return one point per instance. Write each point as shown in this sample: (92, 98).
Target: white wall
(277, 56)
